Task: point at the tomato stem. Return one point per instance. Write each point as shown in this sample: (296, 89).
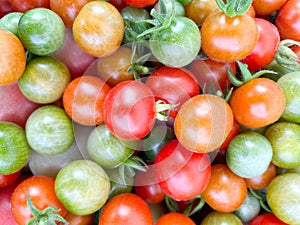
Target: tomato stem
(234, 8)
(161, 107)
(261, 197)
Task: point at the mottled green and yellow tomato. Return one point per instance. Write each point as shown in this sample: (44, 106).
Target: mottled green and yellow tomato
(49, 130)
(98, 28)
(283, 197)
(13, 58)
(10, 22)
(217, 218)
(290, 84)
(285, 140)
(44, 80)
(203, 123)
(41, 31)
(14, 148)
(82, 186)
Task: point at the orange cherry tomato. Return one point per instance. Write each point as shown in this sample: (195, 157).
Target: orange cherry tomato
(174, 218)
(266, 7)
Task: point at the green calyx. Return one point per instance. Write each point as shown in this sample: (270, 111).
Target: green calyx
(246, 75)
(234, 8)
(260, 195)
(285, 56)
(162, 110)
(46, 216)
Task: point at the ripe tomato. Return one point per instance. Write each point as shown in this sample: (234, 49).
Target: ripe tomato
(98, 28)
(79, 220)
(288, 20)
(266, 46)
(267, 219)
(181, 174)
(129, 110)
(13, 59)
(41, 192)
(5, 7)
(209, 72)
(174, 218)
(226, 191)
(8, 179)
(217, 218)
(140, 3)
(257, 103)
(198, 127)
(266, 7)
(228, 39)
(67, 10)
(25, 5)
(126, 209)
(173, 85)
(83, 100)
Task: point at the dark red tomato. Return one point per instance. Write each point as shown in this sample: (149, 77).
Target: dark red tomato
(126, 209)
(226, 191)
(140, 3)
(266, 46)
(209, 72)
(5, 7)
(9, 179)
(227, 39)
(129, 110)
(25, 5)
(119, 4)
(173, 85)
(267, 219)
(42, 194)
(182, 174)
(174, 218)
(14, 106)
(147, 187)
(257, 103)
(288, 20)
(266, 7)
(258, 183)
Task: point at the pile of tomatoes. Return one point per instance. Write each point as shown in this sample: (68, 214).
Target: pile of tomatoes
(165, 112)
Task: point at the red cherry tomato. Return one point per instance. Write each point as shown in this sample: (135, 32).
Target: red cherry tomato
(6, 180)
(25, 5)
(267, 219)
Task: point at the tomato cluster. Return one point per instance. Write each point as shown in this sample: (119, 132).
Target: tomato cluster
(177, 112)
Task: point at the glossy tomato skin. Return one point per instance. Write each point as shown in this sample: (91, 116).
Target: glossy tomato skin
(8, 179)
(140, 3)
(257, 103)
(228, 39)
(266, 7)
(23, 6)
(288, 20)
(80, 220)
(174, 169)
(41, 192)
(266, 46)
(174, 218)
(133, 117)
(198, 127)
(210, 71)
(5, 8)
(266, 219)
(126, 209)
(216, 218)
(83, 100)
(226, 191)
(173, 85)
(98, 28)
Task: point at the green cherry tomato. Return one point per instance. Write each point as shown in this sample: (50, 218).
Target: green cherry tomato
(49, 130)
(246, 150)
(217, 218)
(285, 140)
(10, 22)
(41, 31)
(290, 84)
(82, 187)
(283, 197)
(14, 148)
(44, 80)
(249, 209)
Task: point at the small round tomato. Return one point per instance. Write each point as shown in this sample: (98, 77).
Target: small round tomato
(8, 179)
(266, 7)
(126, 209)
(40, 190)
(288, 20)
(13, 59)
(5, 7)
(174, 169)
(98, 28)
(203, 123)
(267, 219)
(217, 218)
(25, 5)
(79, 220)
(10, 22)
(174, 218)
(228, 39)
(140, 3)
(257, 103)
(226, 191)
(266, 46)
(129, 110)
(83, 100)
